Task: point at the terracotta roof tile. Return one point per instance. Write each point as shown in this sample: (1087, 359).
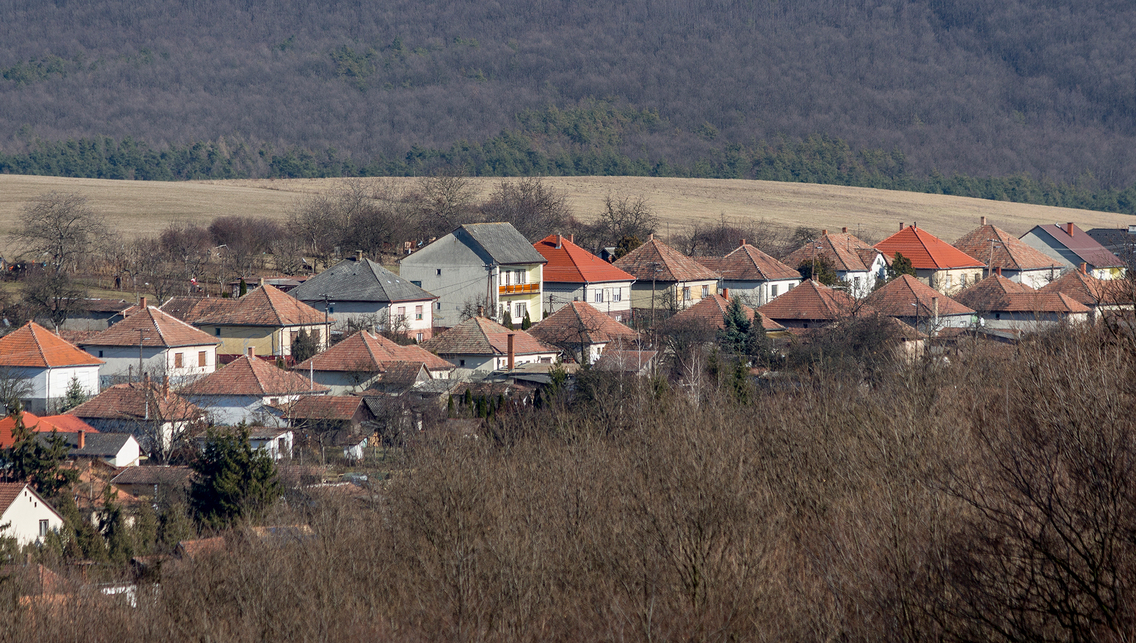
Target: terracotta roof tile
(569, 263)
(810, 301)
(1081, 244)
(672, 265)
(1006, 251)
(38, 425)
(191, 309)
(845, 252)
(326, 407)
(33, 346)
(897, 296)
(136, 401)
(265, 306)
(366, 352)
(482, 336)
(747, 263)
(158, 330)
(711, 313)
(1087, 289)
(68, 424)
(578, 321)
(998, 294)
(926, 251)
(247, 376)
(9, 491)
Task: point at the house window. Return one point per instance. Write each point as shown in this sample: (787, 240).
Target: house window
(463, 363)
(418, 313)
(100, 353)
(217, 332)
(705, 292)
(43, 527)
(177, 360)
(772, 291)
(521, 277)
(686, 293)
(401, 313)
(599, 295)
(617, 294)
(962, 280)
(438, 305)
(439, 272)
(201, 359)
(856, 282)
(419, 337)
(417, 282)
(521, 309)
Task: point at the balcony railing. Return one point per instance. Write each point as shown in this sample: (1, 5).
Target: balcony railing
(518, 289)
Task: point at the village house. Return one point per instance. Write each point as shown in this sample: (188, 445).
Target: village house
(665, 278)
(709, 317)
(330, 420)
(83, 441)
(366, 294)
(25, 515)
(937, 263)
(915, 303)
(153, 342)
(1071, 246)
(245, 389)
(154, 482)
(809, 305)
(1101, 296)
(156, 416)
(266, 320)
(749, 273)
(479, 346)
(583, 331)
(1006, 305)
(49, 364)
(856, 263)
(366, 360)
(95, 314)
(628, 362)
(573, 274)
(479, 264)
(1008, 256)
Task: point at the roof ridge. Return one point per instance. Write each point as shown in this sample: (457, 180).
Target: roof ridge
(272, 304)
(157, 326)
(35, 340)
(485, 335)
(923, 243)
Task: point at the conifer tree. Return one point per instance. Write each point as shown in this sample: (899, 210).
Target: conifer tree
(234, 483)
(526, 323)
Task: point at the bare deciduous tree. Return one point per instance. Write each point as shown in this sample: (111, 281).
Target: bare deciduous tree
(58, 228)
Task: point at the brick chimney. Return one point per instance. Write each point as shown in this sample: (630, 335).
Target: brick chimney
(844, 230)
(998, 270)
(559, 242)
(742, 243)
(1084, 268)
(1069, 228)
(726, 294)
(983, 220)
(359, 256)
(900, 225)
(81, 439)
(511, 336)
(824, 233)
(572, 238)
(142, 303)
(251, 352)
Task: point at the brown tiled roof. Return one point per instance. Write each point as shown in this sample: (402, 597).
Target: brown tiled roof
(625, 361)
(747, 263)
(191, 309)
(365, 352)
(1086, 289)
(252, 377)
(926, 251)
(844, 251)
(711, 313)
(33, 346)
(136, 401)
(482, 336)
(9, 491)
(265, 306)
(150, 475)
(661, 262)
(1006, 252)
(897, 296)
(158, 330)
(809, 301)
(403, 373)
(326, 407)
(580, 321)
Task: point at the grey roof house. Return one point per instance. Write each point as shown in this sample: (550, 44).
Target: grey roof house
(1071, 246)
(363, 291)
(479, 264)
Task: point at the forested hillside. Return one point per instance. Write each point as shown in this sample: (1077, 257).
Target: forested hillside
(896, 90)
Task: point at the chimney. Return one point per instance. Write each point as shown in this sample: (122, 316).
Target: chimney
(651, 237)
(359, 256)
(142, 303)
(572, 238)
(983, 220)
(251, 352)
(726, 294)
(511, 336)
(935, 308)
(559, 242)
(824, 233)
(914, 224)
(1084, 267)
(998, 270)
(480, 310)
(844, 230)
(82, 439)
(900, 225)
(260, 282)
(742, 243)
(1069, 228)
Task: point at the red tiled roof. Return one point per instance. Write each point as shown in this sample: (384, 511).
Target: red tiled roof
(844, 251)
(897, 296)
(711, 313)
(1086, 289)
(158, 330)
(1006, 251)
(747, 263)
(37, 425)
(136, 401)
(247, 376)
(580, 321)
(191, 309)
(482, 336)
(1081, 244)
(657, 260)
(926, 251)
(569, 263)
(265, 306)
(68, 424)
(364, 352)
(9, 491)
(809, 301)
(998, 294)
(326, 407)
(33, 346)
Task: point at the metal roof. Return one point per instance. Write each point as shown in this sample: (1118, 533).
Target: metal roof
(353, 280)
(499, 241)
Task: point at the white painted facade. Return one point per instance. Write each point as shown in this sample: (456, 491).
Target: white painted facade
(478, 367)
(182, 364)
(231, 410)
(49, 385)
(29, 518)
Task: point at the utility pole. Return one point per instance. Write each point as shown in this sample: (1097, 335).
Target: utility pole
(140, 338)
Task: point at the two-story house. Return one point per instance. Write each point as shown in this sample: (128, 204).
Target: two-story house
(573, 274)
(937, 263)
(49, 364)
(1008, 256)
(480, 264)
(1071, 246)
(364, 292)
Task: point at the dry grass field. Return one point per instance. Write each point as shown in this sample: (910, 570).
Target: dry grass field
(140, 207)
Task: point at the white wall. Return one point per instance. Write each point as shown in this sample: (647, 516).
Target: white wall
(50, 384)
(24, 515)
(123, 360)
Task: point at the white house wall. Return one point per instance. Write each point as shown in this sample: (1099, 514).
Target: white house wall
(50, 384)
(22, 518)
(759, 293)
